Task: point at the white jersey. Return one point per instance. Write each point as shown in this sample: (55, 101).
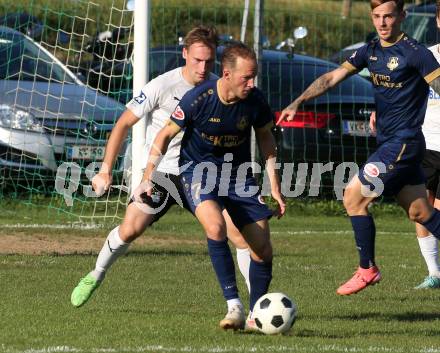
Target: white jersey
(431, 125)
(156, 102)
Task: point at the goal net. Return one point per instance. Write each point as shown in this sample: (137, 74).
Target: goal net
(66, 72)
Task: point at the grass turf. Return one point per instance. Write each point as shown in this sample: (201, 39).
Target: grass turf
(164, 297)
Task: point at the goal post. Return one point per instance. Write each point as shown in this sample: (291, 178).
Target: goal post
(140, 78)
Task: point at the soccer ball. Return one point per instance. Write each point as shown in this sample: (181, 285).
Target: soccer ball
(274, 313)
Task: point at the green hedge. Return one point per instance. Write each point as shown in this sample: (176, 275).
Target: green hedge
(328, 32)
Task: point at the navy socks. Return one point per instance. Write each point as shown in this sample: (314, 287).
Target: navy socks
(260, 275)
(223, 264)
(365, 236)
(433, 224)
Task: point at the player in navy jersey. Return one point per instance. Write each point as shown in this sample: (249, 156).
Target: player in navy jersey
(401, 72)
(217, 118)
(155, 103)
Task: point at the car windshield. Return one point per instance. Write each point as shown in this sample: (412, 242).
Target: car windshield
(22, 59)
(161, 62)
(422, 27)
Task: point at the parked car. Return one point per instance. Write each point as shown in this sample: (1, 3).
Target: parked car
(419, 24)
(111, 69)
(117, 79)
(47, 116)
(24, 23)
(333, 127)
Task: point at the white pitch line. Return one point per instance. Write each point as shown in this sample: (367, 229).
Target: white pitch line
(304, 232)
(218, 349)
(52, 226)
(87, 226)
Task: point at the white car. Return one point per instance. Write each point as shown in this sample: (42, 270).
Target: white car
(47, 115)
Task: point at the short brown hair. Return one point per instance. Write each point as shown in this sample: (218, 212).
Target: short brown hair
(235, 50)
(438, 8)
(201, 34)
(399, 4)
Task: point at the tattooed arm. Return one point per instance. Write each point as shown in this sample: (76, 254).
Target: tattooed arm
(321, 85)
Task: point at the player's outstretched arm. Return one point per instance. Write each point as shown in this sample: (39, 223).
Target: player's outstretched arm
(268, 149)
(318, 87)
(158, 150)
(101, 182)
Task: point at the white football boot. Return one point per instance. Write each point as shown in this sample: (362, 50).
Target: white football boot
(234, 319)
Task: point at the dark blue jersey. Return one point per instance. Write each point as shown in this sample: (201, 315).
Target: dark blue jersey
(400, 73)
(214, 128)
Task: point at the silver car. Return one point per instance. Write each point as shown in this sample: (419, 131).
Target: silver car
(47, 115)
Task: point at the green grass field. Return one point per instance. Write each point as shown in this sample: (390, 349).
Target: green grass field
(163, 296)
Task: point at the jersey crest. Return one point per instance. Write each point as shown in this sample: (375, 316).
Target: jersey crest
(393, 63)
(242, 123)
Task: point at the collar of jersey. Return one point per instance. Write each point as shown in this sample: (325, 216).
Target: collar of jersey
(386, 44)
(183, 77)
(221, 98)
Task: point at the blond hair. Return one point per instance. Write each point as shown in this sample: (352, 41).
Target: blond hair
(399, 4)
(234, 51)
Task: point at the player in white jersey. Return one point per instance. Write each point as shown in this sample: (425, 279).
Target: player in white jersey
(431, 166)
(156, 102)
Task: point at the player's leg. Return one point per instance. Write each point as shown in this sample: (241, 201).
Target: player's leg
(138, 216)
(429, 249)
(427, 242)
(412, 196)
(260, 271)
(209, 214)
(364, 229)
(387, 171)
(250, 214)
(414, 201)
(207, 209)
(242, 248)
(116, 244)
(233, 234)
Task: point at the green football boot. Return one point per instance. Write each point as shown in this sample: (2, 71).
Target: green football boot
(84, 290)
(429, 282)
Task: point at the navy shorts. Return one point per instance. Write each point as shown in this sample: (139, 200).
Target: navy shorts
(431, 168)
(396, 164)
(243, 209)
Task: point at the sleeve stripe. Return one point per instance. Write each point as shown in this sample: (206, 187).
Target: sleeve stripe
(173, 125)
(132, 110)
(433, 75)
(348, 66)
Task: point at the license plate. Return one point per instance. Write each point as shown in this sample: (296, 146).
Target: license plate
(356, 128)
(95, 153)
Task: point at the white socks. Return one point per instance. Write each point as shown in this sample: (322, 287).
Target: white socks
(112, 249)
(233, 302)
(244, 261)
(429, 249)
